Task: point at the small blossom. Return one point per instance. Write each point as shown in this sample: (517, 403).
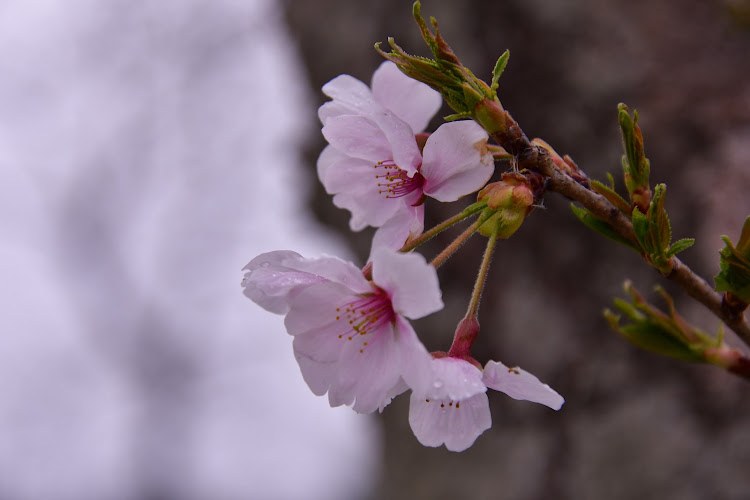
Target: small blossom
(455, 410)
(352, 339)
(374, 166)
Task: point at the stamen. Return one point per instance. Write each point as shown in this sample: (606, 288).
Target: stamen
(394, 182)
(365, 315)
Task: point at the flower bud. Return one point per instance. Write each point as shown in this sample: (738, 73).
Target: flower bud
(508, 203)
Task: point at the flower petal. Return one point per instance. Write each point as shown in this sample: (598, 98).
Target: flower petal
(340, 173)
(407, 221)
(456, 161)
(349, 94)
(520, 384)
(316, 306)
(317, 353)
(271, 277)
(455, 379)
(334, 269)
(367, 373)
(411, 283)
(416, 362)
(412, 101)
(368, 208)
(435, 422)
(354, 97)
(358, 137)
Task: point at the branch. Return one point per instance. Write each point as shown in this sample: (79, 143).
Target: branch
(536, 158)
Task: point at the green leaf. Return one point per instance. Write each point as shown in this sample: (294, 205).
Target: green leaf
(636, 167)
(641, 227)
(457, 116)
(658, 217)
(680, 245)
(611, 195)
(651, 329)
(743, 244)
(600, 226)
(502, 61)
(654, 339)
(735, 269)
(611, 181)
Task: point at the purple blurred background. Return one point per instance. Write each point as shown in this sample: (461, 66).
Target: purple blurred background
(148, 150)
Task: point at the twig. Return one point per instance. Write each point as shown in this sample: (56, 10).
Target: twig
(536, 158)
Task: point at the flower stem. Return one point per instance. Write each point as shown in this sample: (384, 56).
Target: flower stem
(456, 244)
(468, 328)
(476, 295)
(427, 235)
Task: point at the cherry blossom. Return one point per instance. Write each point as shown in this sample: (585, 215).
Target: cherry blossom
(455, 410)
(374, 165)
(352, 339)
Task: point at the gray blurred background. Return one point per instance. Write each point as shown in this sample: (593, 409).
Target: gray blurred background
(148, 150)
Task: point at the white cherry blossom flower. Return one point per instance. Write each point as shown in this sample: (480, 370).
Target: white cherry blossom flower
(455, 410)
(374, 166)
(352, 339)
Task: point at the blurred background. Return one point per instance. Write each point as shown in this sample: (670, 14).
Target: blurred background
(149, 150)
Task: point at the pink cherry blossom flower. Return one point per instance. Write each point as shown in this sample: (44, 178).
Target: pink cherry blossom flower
(455, 410)
(352, 339)
(373, 165)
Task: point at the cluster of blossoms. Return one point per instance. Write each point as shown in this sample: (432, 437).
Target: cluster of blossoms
(352, 336)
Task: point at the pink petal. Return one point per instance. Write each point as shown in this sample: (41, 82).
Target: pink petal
(356, 189)
(520, 384)
(416, 362)
(358, 137)
(331, 109)
(411, 283)
(456, 426)
(456, 161)
(287, 270)
(336, 270)
(368, 373)
(455, 379)
(271, 277)
(329, 157)
(406, 221)
(317, 353)
(368, 208)
(315, 307)
(349, 94)
(341, 173)
(412, 101)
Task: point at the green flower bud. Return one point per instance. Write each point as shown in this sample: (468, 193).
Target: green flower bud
(509, 201)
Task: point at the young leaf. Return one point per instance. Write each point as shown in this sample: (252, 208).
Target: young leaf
(680, 245)
(641, 228)
(601, 227)
(611, 195)
(502, 61)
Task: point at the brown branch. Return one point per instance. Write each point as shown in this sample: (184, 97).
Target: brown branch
(536, 158)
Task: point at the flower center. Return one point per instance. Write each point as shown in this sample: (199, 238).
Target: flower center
(394, 182)
(365, 316)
